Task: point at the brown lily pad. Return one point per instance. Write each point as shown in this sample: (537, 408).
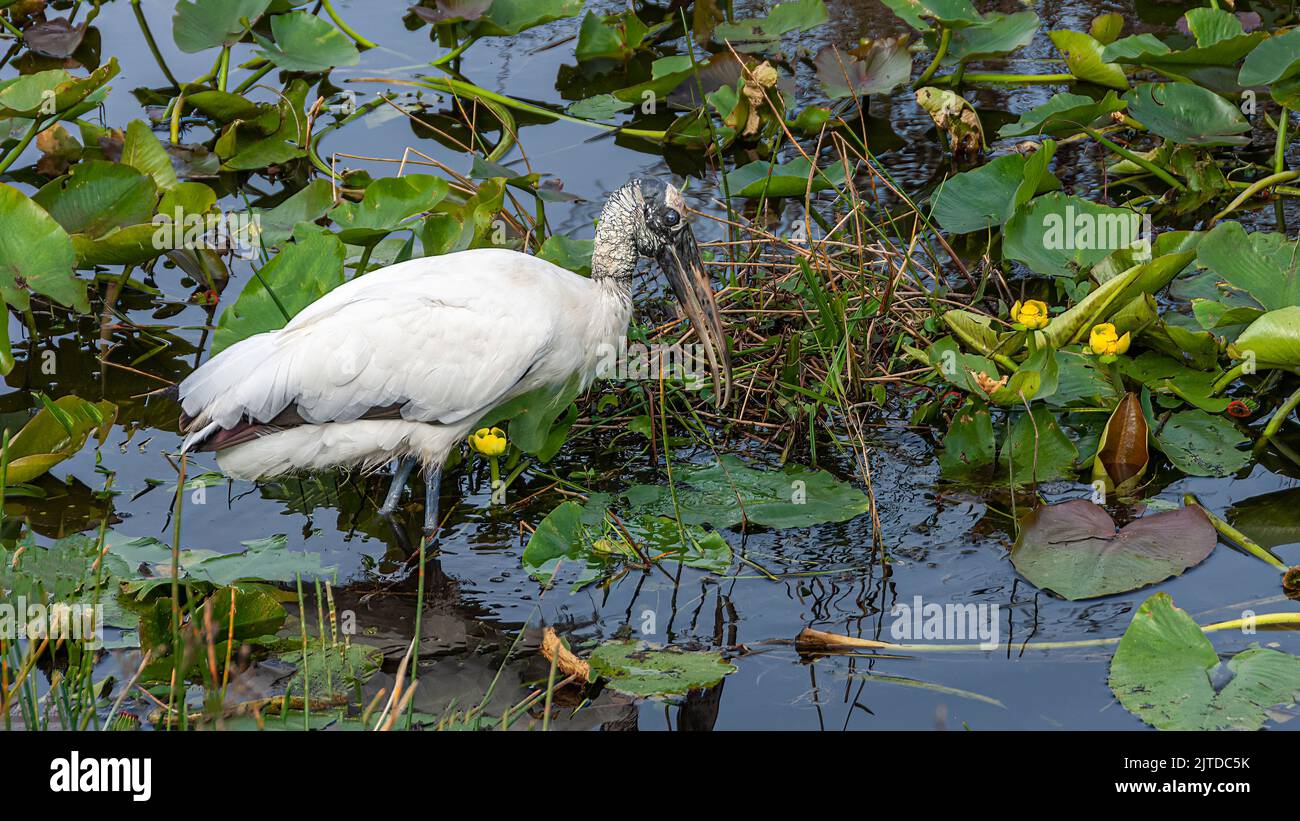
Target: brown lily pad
(1074, 549)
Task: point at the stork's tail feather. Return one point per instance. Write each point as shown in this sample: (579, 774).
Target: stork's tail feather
(195, 438)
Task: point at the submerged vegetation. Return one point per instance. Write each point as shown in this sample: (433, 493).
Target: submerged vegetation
(1092, 301)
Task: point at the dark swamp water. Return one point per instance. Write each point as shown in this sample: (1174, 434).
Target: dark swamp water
(945, 545)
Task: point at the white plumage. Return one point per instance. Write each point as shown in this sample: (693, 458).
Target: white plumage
(402, 362)
(447, 338)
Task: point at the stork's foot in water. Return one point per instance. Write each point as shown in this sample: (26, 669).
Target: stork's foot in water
(400, 474)
(431, 483)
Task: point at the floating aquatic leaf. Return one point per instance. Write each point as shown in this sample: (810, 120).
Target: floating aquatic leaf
(1165, 671)
(305, 42)
(1064, 115)
(97, 196)
(969, 447)
(795, 15)
(57, 432)
(795, 178)
(1271, 519)
(1062, 235)
(29, 95)
(586, 536)
(56, 572)
(1266, 265)
(1073, 549)
(143, 152)
(56, 38)
(1187, 114)
(645, 670)
(875, 67)
(263, 560)
(573, 254)
(308, 204)
(1272, 340)
(203, 24)
(505, 18)
(997, 35)
(1273, 60)
(298, 276)
(1084, 57)
(599, 107)
(386, 204)
(616, 37)
(1037, 450)
(36, 255)
(330, 669)
(729, 492)
(1201, 444)
(988, 196)
(952, 14)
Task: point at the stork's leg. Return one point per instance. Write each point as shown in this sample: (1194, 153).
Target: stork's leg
(431, 482)
(400, 475)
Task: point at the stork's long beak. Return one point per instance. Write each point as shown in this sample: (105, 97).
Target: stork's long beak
(681, 263)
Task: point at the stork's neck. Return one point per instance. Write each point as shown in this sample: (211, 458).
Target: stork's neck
(614, 255)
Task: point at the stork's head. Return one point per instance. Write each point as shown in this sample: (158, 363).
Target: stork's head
(648, 219)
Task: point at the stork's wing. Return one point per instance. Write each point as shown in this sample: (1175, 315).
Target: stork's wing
(432, 340)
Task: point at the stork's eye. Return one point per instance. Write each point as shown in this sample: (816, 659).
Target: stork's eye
(671, 218)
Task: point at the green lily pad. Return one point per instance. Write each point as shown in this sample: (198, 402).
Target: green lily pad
(299, 275)
(1064, 115)
(29, 95)
(583, 534)
(643, 670)
(1266, 265)
(143, 152)
(953, 14)
(616, 37)
(1037, 450)
(56, 572)
(262, 560)
(1273, 339)
(1061, 235)
(995, 36)
(969, 448)
(1273, 60)
(1165, 669)
(57, 432)
(1201, 444)
(36, 255)
(1083, 56)
(1187, 114)
(572, 254)
(1271, 519)
(506, 18)
(730, 491)
(97, 196)
(792, 16)
(386, 204)
(308, 204)
(599, 107)
(988, 196)
(203, 24)
(1073, 549)
(791, 179)
(330, 669)
(305, 42)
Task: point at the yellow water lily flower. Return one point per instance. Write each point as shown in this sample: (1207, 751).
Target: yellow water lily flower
(1105, 341)
(489, 441)
(1032, 314)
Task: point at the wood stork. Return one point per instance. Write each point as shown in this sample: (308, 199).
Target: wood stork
(401, 363)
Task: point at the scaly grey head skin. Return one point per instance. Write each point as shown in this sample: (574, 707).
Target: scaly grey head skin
(647, 218)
